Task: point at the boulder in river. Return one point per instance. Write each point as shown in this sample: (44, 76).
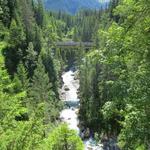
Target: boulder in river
(89, 148)
(77, 111)
(63, 93)
(87, 133)
(72, 74)
(72, 108)
(75, 78)
(66, 88)
(61, 118)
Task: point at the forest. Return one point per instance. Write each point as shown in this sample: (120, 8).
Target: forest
(114, 75)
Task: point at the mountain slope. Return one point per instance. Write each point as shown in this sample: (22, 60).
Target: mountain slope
(72, 6)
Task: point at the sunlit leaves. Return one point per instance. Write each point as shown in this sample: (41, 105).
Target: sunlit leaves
(63, 138)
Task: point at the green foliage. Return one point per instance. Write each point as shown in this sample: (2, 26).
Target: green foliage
(114, 79)
(40, 91)
(51, 69)
(31, 59)
(123, 77)
(10, 107)
(28, 105)
(23, 134)
(89, 93)
(3, 31)
(4, 12)
(40, 84)
(63, 138)
(22, 76)
(81, 27)
(16, 36)
(40, 16)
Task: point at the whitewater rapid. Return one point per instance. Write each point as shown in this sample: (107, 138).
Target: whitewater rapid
(69, 114)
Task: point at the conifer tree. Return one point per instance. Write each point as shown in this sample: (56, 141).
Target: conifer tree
(21, 78)
(38, 41)
(5, 12)
(75, 34)
(40, 91)
(22, 75)
(27, 14)
(40, 16)
(40, 84)
(48, 62)
(30, 59)
(17, 36)
(10, 107)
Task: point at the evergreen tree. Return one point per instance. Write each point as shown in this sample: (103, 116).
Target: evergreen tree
(5, 12)
(48, 62)
(40, 15)
(21, 78)
(10, 107)
(14, 52)
(31, 59)
(27, 14)
(40, 84)
(38, 41)
(40, 91)
(75, 34)
(17, 36)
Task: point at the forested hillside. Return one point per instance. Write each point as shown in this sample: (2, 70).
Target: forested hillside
(114, 88)
(73, 6)
(114, 75)
(29, 79)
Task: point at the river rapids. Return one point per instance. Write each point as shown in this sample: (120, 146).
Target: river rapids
(69, 114)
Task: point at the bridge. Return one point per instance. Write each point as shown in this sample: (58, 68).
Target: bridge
(72, 44)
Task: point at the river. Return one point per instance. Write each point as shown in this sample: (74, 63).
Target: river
(69, 114)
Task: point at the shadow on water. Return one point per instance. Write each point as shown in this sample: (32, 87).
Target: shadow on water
(70, 68)
(70, 103)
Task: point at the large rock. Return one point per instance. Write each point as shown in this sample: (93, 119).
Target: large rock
(72, 74)
(87, 133)
(66, 88)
